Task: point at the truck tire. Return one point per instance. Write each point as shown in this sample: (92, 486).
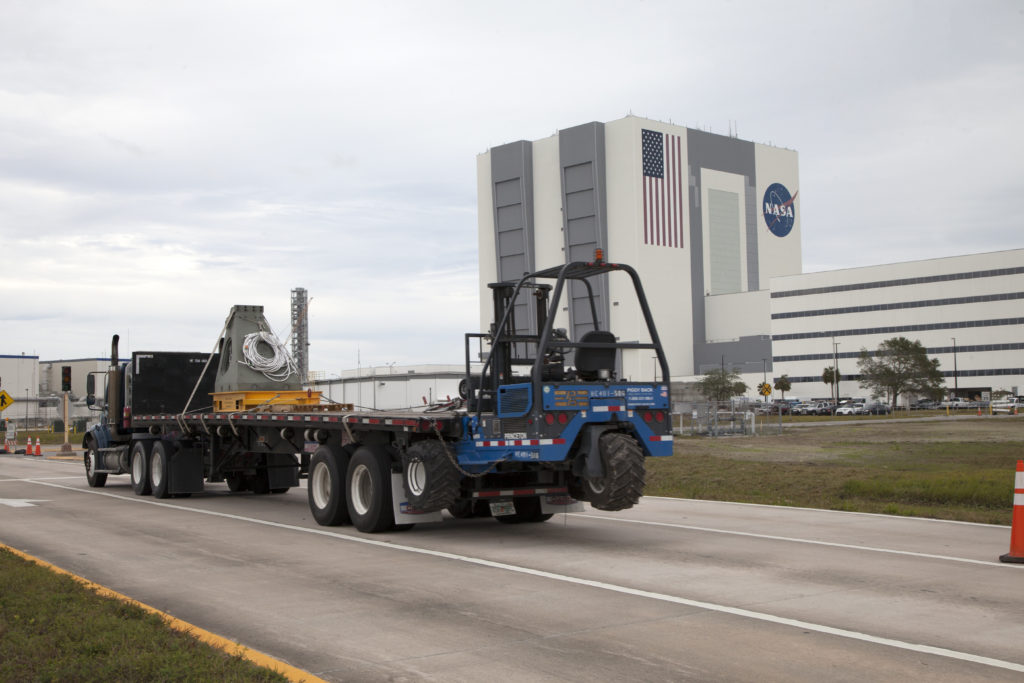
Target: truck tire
(258, 483)
(140, 468)
(326, 486)
(528, 511)
(95, 479)
(623, 481)
(467, 508)
(368, 489)
(236, 482)
(430, 479)
(159, 469)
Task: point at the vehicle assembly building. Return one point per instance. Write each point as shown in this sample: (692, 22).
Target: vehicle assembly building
(712, 223)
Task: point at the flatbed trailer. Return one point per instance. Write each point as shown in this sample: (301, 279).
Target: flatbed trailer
(519, 446)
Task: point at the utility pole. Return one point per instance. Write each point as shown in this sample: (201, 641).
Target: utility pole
(956, 378)
(835, 371)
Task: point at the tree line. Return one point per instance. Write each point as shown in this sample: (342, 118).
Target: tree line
(899, 366)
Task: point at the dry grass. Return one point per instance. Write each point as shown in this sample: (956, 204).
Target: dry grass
(948, 469)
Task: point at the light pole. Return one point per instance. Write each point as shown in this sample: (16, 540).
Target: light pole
(956, 380)
(835, 371)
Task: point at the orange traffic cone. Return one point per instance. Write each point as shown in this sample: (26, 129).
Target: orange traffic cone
(39, 447)
(1016, 553)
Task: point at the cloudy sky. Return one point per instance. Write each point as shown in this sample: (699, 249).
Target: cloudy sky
(160, 162)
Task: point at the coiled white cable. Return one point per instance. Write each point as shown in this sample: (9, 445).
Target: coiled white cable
(277, 368)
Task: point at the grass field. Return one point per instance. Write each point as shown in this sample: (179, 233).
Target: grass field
(949, 469)
(54, 629)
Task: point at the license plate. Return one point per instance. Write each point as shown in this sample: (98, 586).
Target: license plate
(502, 509)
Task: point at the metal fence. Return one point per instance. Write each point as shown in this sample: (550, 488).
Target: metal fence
(724, 418)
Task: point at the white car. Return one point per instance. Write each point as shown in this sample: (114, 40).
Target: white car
(1008, 405)
(850, 409)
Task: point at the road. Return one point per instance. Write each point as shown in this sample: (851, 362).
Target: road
(670, 590)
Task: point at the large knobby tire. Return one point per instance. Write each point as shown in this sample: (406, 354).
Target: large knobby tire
(430, 479)
(139, 463)
(623, 481)
(160, 467)
(326, 486)
(95, 479)
(368, 491)
(528, 511)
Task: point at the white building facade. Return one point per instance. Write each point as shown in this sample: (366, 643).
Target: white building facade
(712, 224)
(707, 220)
(967, 311)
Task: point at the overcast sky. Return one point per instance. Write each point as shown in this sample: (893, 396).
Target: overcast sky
(160, 162)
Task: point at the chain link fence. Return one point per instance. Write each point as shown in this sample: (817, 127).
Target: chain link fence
(724, 418)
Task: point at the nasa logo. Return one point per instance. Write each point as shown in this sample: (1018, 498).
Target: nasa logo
(778, 209)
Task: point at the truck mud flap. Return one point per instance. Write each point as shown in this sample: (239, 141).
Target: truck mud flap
(185, 470)
(404, 514)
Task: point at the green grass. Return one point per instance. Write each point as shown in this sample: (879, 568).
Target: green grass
(52, 628)
(943, 470)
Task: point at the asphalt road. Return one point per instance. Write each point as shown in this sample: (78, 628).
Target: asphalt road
(671, 590)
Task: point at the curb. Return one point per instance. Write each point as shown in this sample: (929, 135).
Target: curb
(234, 649)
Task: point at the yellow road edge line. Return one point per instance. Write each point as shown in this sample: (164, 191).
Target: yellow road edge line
(234, 649)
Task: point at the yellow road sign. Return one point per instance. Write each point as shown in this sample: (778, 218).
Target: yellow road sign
(766, 389)
(5, 400)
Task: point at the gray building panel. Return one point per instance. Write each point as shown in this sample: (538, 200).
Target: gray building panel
(581, 154)
(728, 155)
(512, 195)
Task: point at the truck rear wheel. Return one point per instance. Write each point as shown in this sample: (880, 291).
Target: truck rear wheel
(623, 481)
(159, 468)
(140, 468)
(95, 479)
(368, 485)
(430, 479)
(326, 490)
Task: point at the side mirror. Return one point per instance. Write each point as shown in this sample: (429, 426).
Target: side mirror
(90, 390)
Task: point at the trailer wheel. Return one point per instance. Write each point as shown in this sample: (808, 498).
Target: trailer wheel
(326, 488)
(95, 479)
(431, 481)
(623, 481)
(528, 511)
(368, 484)
(140, 468)
(159, 468)
(258, 483)
(469, 508)
(236, 482)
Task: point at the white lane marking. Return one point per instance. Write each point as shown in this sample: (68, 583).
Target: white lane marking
(790, 539)
(782, 508)
(625, 590)
(37, 479)
(21, 502)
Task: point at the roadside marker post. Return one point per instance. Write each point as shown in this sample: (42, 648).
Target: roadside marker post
(1016, 553)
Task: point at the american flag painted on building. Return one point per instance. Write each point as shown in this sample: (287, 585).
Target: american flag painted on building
(664, 173)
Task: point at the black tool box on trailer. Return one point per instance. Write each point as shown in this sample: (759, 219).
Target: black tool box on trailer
(163, 381)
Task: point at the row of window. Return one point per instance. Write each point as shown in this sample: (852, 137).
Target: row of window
(984, 372)
(894, 329)
(931, 351)
(900, 283)
(1006, 296)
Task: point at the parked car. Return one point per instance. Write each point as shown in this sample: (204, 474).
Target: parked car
(823, 408)
(801, 409)
(1008, 405)
(924, 404)
(878, 408)
(850, 408)
(957, 402)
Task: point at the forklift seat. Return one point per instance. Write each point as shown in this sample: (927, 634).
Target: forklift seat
(590, 362)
